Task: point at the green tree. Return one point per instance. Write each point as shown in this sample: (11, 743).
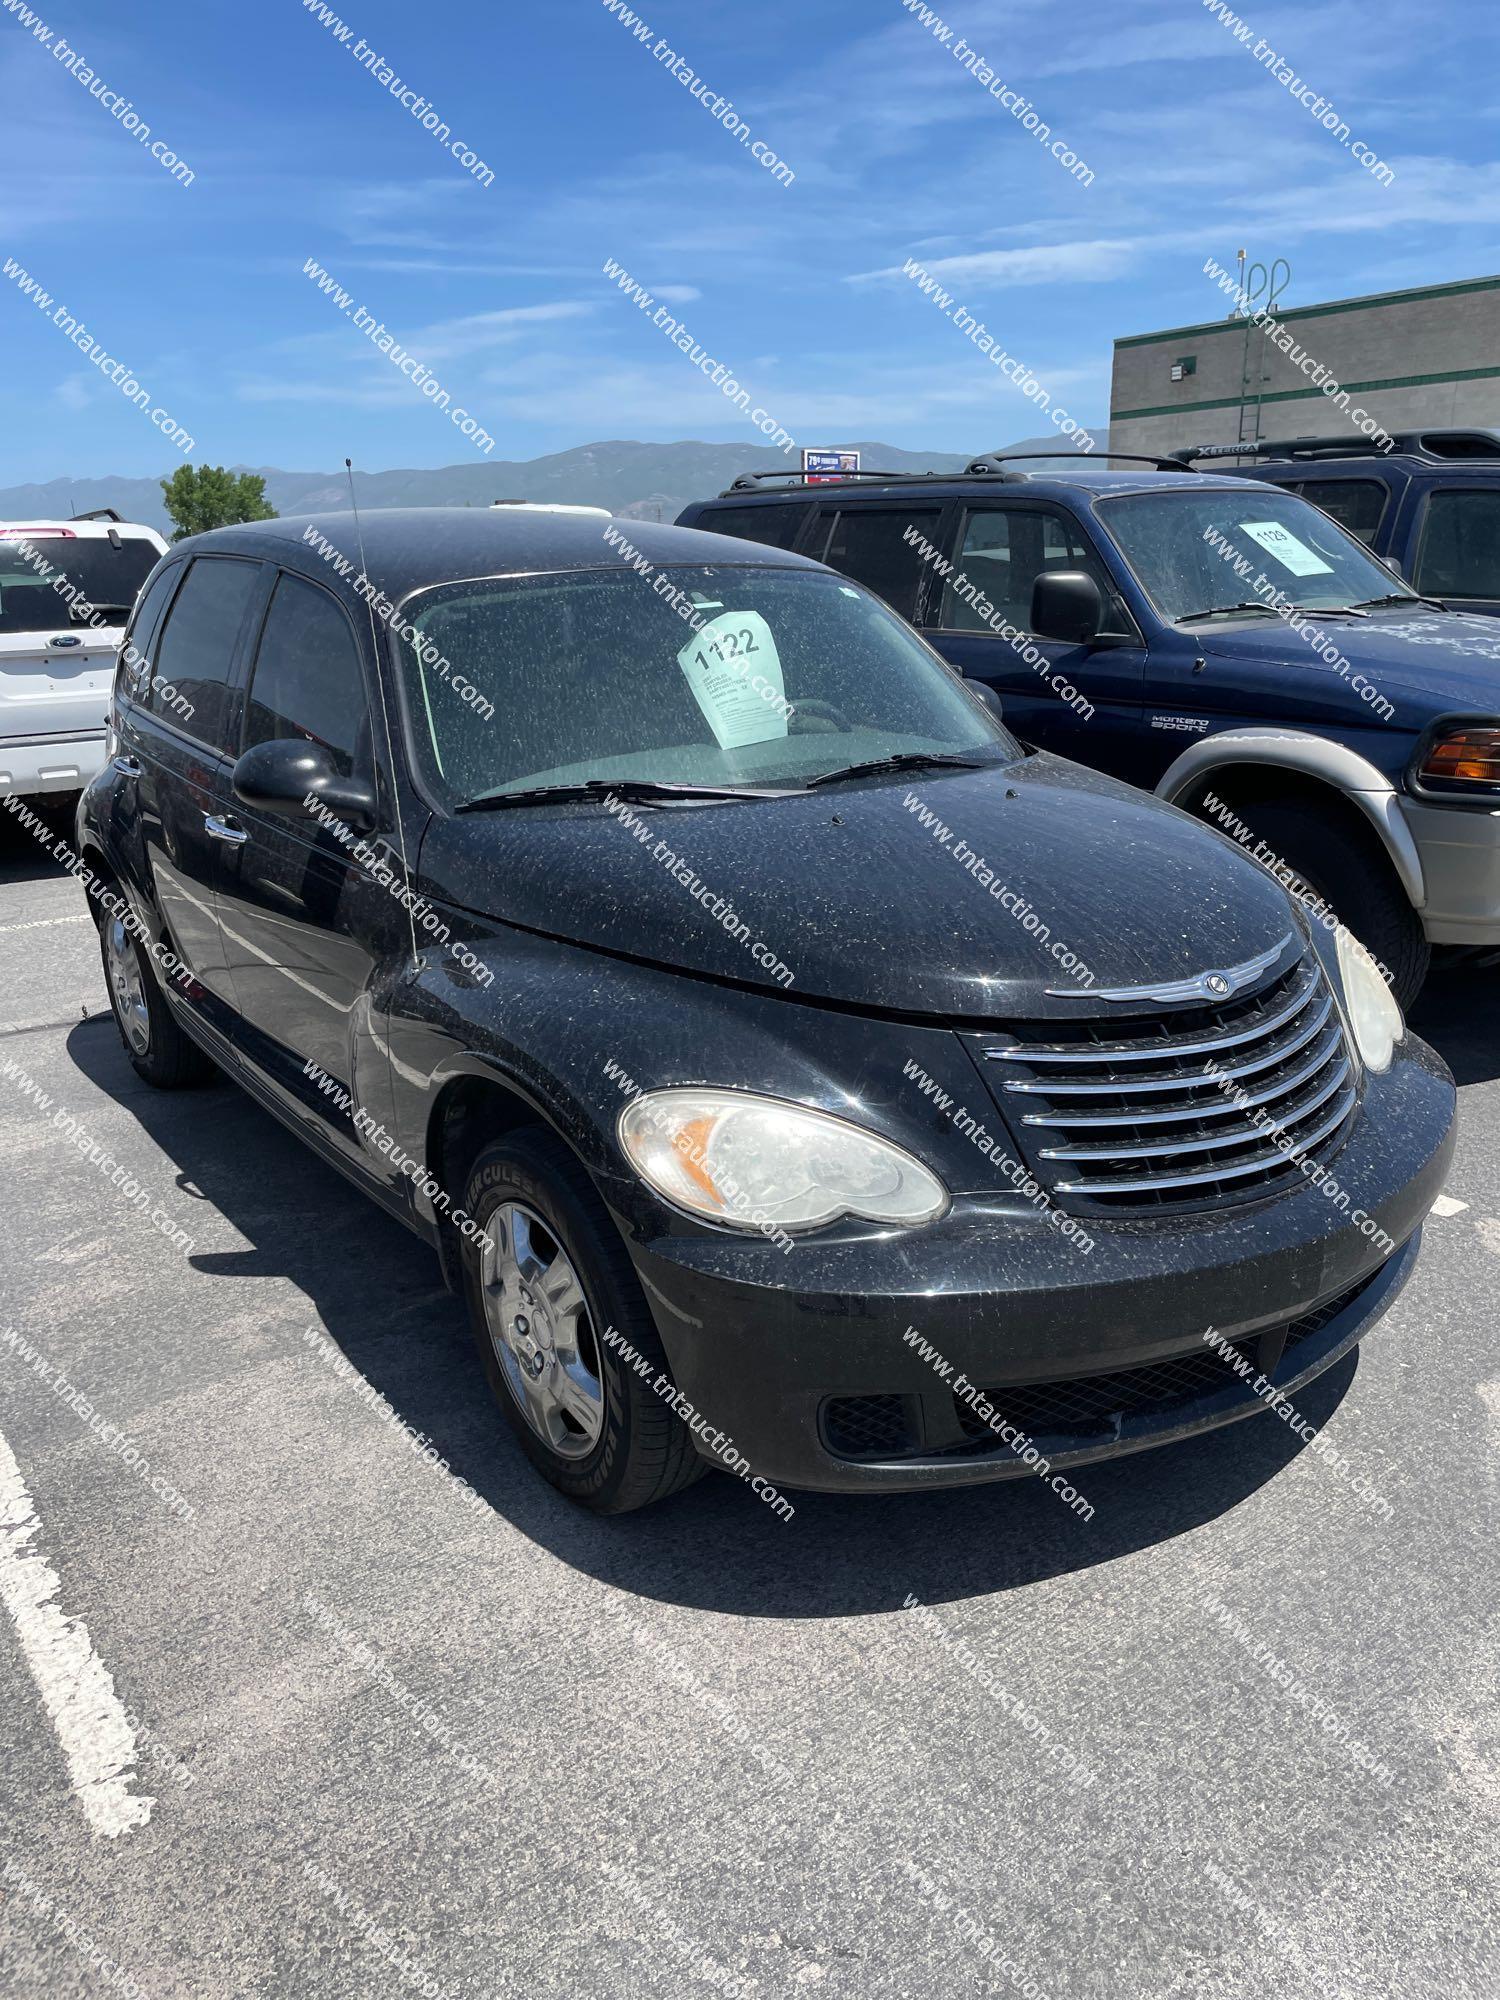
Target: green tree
(200, 497)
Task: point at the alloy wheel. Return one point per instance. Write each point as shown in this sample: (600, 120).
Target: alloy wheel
(127, 987)
(540, 1328)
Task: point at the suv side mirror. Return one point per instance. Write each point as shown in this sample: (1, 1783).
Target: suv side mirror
(1066, 605)
(279, 776)
(982, 691)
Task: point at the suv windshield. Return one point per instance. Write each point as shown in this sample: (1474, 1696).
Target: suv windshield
(40, 579)
(732, 677)
(1193, 552)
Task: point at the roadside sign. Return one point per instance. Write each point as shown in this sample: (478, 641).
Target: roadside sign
(821, 467)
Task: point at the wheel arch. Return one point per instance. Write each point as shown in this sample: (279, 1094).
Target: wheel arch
(1315, 763)
(93, 857)
(475, 1100)
(107, 877)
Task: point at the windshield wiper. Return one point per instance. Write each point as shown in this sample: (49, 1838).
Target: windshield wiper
(904, 760)
(1400, 597)
(1223, 611)
(82, 618)
(639, 791)
(1329, 610)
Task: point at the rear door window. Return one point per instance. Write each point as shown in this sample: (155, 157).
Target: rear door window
(775, 527)
(197, 648)
(307, 685)
(1356, 504)
(880, 548)
(1460, 551)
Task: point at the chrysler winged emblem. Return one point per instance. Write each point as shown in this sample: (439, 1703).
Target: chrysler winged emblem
(1216, 985)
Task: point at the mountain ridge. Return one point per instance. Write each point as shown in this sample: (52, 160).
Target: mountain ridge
(635, 480)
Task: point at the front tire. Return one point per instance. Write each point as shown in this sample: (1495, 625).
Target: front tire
(542, 1283)
(1344, 872)
(158, 1049)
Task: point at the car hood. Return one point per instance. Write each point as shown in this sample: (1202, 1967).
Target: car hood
(1437, 660)
(865, 904)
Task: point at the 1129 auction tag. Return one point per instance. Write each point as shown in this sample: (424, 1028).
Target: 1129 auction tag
(1288, 551)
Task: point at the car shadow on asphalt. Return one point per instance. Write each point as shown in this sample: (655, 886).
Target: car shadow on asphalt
(23, 858)
(1456, 1012)
(716, 1546)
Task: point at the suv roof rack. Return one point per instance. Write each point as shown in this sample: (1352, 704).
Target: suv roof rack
(99, 514)
(1433, 444)
(989, 464)
(990, 461)
(748, 482)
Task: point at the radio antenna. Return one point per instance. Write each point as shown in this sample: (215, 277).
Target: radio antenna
(390, 749)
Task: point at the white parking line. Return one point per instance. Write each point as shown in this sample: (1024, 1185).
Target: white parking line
(45, 923)
(76, 1687)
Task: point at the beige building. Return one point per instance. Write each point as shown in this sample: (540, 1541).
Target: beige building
(1397, 360)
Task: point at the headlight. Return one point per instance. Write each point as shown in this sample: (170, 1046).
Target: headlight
(752, 1162)
(1374, 1012)
(1464, 759)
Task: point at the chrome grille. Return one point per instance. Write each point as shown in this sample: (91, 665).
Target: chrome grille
(1127, 1114)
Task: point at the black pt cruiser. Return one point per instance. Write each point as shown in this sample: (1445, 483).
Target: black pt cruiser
(754, 1027)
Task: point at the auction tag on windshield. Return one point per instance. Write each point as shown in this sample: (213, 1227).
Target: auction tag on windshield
(734, 671)
(1288, 551)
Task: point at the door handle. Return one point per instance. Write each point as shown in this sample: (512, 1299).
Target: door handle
(128, 767)
(224, 829)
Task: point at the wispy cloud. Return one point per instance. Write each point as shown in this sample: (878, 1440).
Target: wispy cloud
(74, 392)
(1034, 264)
(338, 363)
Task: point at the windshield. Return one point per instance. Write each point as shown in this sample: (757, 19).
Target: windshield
(729, 676)
(1193, 552)
(42, 577)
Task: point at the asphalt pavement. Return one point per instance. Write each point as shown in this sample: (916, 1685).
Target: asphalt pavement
(412, 1724)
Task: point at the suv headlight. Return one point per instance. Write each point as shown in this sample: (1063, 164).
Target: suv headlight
(1374, 1011)
(1463, 759)
(750, 1162)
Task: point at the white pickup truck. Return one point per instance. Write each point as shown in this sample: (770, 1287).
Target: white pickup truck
(66, 591)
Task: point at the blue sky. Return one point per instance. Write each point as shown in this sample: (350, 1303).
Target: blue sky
(599, 153)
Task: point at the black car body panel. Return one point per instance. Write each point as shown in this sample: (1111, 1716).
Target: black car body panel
(1047, 821)
(357, 1015)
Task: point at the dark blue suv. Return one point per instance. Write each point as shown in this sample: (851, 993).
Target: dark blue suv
(1429, 503)
(1222, 643)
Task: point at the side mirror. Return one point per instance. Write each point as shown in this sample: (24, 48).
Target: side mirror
(982, 691)
(1066, 605)
(280, 777)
